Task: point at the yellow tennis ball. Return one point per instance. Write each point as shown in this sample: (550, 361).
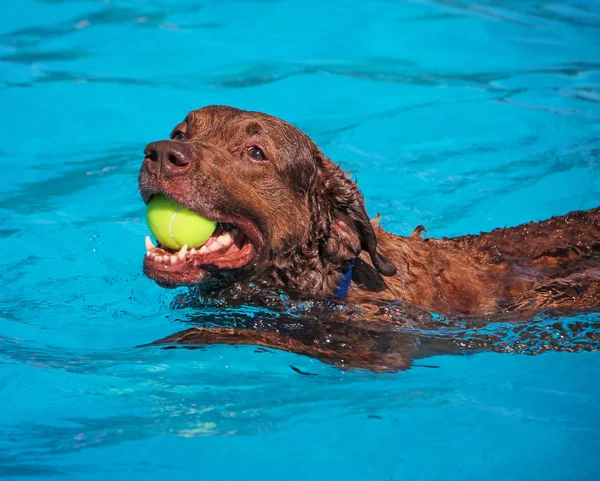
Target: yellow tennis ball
(173, 225)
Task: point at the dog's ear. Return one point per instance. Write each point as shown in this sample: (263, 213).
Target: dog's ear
(365, 276)
(338, 207)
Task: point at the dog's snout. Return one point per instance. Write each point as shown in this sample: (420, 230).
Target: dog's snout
(168, 157)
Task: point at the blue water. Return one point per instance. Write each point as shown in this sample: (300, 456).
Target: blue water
(461, 116)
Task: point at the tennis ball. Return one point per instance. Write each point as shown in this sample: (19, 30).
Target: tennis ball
(173, 225)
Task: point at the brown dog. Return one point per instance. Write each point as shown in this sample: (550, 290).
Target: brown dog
(290, 218)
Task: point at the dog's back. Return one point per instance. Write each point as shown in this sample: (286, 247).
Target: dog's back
(554, 264)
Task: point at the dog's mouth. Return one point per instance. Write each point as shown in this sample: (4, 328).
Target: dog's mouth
(235, 244)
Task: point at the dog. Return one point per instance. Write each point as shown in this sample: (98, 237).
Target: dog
(289, 218)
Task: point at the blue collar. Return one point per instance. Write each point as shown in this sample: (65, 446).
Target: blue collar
(345, 281)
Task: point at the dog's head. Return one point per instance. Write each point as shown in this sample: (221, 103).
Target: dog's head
(287, 216)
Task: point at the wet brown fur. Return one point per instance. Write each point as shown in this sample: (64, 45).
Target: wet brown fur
(313, 222)
(554, 264)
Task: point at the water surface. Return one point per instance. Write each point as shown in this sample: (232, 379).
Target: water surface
(461, 116)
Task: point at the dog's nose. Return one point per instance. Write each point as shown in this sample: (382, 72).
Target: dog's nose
(171, 158)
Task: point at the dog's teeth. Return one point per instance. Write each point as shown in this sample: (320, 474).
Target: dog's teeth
(149, 244)
(174, 259)
(193, 251)
(181, 254)
(207, 248)
(215, 246)
(225, 239)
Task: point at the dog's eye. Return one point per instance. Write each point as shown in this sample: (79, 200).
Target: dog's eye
(256, 153)
(178, 135)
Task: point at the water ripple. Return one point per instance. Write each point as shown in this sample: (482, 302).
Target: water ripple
(459, 115)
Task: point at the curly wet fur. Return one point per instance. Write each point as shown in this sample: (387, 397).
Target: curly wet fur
(313, 222)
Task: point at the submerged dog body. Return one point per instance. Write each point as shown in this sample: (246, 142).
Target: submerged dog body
(290, 218)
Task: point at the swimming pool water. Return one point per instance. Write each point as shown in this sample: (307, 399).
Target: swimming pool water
(459, 115)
